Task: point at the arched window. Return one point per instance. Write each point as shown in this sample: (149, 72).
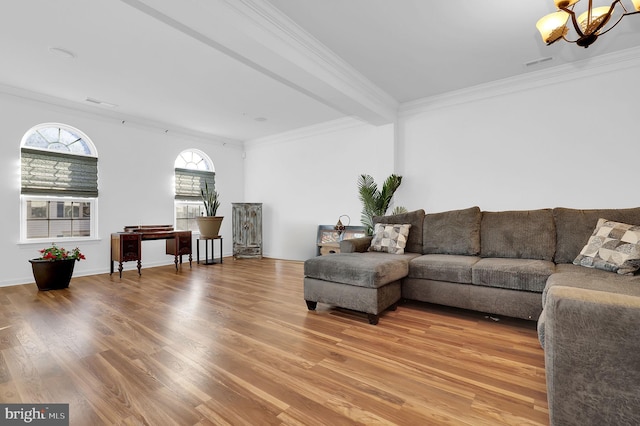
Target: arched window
(193, 168)
(59, 183)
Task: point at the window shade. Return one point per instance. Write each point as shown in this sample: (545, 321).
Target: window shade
(189, 182)
(53, 173)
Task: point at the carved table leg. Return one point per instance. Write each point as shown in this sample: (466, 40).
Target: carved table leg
(139, 267)
(120, 268)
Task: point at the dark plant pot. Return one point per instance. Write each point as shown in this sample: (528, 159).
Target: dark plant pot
(52, 274)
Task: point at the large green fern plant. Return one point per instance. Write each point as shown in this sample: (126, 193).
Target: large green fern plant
(376, 202)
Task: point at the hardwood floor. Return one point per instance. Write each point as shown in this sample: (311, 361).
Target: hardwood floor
(234, 344)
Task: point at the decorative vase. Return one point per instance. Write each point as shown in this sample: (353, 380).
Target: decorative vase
(52, 274)
(209, 226)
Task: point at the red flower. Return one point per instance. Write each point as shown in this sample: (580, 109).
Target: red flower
(59, 253)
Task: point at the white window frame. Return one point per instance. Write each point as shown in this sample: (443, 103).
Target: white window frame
(25, 198)
(203, 163)
(93, 220)
(192, 225)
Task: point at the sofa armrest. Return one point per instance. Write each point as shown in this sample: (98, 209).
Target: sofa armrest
(592, 357)
(355, 245)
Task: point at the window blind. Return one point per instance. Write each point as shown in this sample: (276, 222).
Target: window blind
(57, 173)
(189, 182)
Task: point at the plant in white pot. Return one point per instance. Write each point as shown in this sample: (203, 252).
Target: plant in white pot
(209, 224)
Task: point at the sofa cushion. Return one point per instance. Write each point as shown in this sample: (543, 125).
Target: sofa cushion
(371, 269)
(443, 267)
(390, 238)
(614, 247)
(415, 218)
(574, 227)
(514, 274)
(526, 234)
(355, 245)
(592, 279)
(452, 232)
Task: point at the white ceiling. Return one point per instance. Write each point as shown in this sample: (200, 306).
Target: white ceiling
(414, 49)
(244, 69)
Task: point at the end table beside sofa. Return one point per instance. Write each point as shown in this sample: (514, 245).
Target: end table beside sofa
(518, 264)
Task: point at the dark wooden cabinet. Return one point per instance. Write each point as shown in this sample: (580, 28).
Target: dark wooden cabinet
(181, 244)
(126, 247)
(247, 230)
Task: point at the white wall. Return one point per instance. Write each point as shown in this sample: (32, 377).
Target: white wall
(557, 138)
(562, 139)
(135, 172)
(308, 178)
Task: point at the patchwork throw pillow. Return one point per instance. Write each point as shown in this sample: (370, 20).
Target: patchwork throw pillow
(613, 246)
(390, 238)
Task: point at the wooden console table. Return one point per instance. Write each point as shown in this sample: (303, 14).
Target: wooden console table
(127, 246)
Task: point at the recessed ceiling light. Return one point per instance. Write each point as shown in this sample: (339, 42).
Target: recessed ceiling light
(99, 102)
(260, 119)
(63, 53)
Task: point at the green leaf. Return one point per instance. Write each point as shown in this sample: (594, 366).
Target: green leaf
(210, 199)
(374, 201)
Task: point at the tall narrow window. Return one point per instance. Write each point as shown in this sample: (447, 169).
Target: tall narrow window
(192, 169)
(59, 184)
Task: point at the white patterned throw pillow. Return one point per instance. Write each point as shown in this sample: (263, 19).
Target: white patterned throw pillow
(613, 246)
(390, 238)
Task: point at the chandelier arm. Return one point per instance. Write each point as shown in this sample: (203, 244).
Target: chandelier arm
(604, 21)
(611, 27)
(618, 21)
(574, 20)
(623, 8)
(567, 40)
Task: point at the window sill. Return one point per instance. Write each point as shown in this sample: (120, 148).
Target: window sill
(59, 241)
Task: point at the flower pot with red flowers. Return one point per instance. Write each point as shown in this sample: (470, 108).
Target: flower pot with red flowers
(54, 268)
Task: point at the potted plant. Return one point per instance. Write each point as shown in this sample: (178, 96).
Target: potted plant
(376, 202)
(209, 224)
(54, 268)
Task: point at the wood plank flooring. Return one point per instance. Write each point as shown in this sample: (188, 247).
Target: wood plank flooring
(234, 344)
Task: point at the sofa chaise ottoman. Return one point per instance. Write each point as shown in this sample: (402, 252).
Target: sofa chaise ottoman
(364, 281)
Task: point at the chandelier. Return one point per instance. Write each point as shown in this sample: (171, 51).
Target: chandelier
(588, 25)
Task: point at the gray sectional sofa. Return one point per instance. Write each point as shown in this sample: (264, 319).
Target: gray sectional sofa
(517, 264)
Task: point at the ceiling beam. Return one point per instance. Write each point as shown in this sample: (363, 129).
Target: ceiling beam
(257, 34)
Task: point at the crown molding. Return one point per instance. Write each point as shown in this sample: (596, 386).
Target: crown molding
(296, 135)
(257, 34)
(271, 19)
(104, 114)
(581, 69)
